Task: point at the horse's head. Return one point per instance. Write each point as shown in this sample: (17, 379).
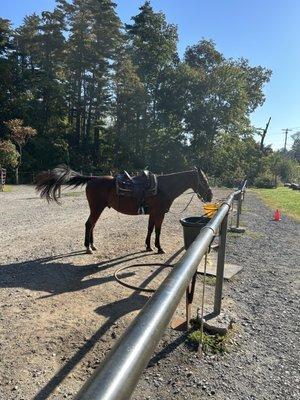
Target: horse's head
(202, 187)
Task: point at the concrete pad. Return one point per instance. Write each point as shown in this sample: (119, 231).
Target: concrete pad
(230, 270)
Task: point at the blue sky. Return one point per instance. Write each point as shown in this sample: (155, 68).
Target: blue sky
(266, 32)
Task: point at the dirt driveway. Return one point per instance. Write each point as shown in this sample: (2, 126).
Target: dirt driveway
(62, 310)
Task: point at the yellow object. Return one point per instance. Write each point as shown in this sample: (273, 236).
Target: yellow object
(210, 209)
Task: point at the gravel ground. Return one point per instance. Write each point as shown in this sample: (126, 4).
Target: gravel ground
(62, 310)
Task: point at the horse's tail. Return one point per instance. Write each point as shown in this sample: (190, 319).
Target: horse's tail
(48, 184)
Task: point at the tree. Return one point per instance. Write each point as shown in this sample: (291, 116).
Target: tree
(295, 150)
(100, 96)
(130, 104)
(235, 158)
(19, 134)
(8, 154)
(153, 49)
(7, 69)
(223, 93)
(94, 36)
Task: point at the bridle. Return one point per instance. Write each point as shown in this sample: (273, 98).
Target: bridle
(200, 196)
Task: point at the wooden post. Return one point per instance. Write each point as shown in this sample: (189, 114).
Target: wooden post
(2, 179)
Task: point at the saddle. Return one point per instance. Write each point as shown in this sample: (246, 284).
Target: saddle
(139, 187)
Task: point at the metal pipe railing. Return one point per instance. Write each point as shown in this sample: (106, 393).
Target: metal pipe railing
(239, 197)
(119, 373)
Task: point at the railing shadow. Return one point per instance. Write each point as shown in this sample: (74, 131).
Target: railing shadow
(113, 311)
(51, 276)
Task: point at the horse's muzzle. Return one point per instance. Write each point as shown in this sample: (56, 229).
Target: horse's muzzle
(207, 198)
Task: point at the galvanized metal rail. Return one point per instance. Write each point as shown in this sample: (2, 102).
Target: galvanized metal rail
(239, 197)
(118, 375)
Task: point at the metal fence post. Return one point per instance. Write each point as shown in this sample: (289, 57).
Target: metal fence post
(239, 210)
(237, 228)
(220, 267)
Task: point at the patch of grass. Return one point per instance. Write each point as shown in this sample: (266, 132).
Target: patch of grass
(233, 235)
(209, 280)
(254, 235)
(285, 199)
(213, 342)
(7, 188)
(245, 209)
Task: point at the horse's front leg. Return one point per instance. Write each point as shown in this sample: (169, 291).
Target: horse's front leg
(158, 222)
(150, 230)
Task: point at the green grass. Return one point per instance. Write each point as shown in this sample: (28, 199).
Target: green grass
(215, 344)
(209, 280)
(285, 199)
(7, 188)
(254, 235)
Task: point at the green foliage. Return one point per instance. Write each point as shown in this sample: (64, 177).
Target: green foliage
(265, 180)
(222, 95)
(281, 167)
(295, 150)
(234, 158)
(9, 157)
(103, 96)
(215, 344)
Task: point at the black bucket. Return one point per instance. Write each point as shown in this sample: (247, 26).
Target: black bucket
(191, 228)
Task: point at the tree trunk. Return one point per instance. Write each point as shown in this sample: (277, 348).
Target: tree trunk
(17, 175)
(96, 145)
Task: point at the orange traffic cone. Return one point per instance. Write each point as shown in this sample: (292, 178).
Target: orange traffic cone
(277, 215)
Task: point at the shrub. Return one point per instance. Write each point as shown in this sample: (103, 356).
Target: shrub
(265, 181)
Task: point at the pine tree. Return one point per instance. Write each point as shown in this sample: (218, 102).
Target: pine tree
(91, 51)
(153, 48)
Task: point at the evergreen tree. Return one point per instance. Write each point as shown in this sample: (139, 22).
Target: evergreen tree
(91, 50)
(153, 48)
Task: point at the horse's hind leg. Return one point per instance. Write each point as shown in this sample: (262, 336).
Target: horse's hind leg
(89, 227)
(158, 222)
(150, 230)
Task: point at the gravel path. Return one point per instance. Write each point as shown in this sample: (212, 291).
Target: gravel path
(61, 310)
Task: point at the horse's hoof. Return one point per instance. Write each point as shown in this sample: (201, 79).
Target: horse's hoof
(89, 251)
(93, 247)
(148, 249)
(160, 251)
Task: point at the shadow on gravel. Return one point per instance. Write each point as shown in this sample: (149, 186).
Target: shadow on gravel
(113, 312)
(168, 349)
(54, 277)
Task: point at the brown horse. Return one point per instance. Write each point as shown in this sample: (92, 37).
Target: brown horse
(101, 193)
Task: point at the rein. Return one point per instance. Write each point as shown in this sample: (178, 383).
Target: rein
(191, 199)
(186, 207)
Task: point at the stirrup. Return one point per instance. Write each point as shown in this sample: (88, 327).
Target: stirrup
(141, 211)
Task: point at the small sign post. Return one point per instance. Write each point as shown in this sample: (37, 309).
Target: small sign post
(2, 179)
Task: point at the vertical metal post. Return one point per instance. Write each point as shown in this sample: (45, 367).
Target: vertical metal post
(239, 210)
(189, 296)
(220, 266)
(237, 228)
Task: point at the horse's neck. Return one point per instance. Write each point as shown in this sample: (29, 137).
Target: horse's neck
(173, 185)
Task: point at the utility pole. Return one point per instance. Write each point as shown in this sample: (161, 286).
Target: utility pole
(285, 140)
